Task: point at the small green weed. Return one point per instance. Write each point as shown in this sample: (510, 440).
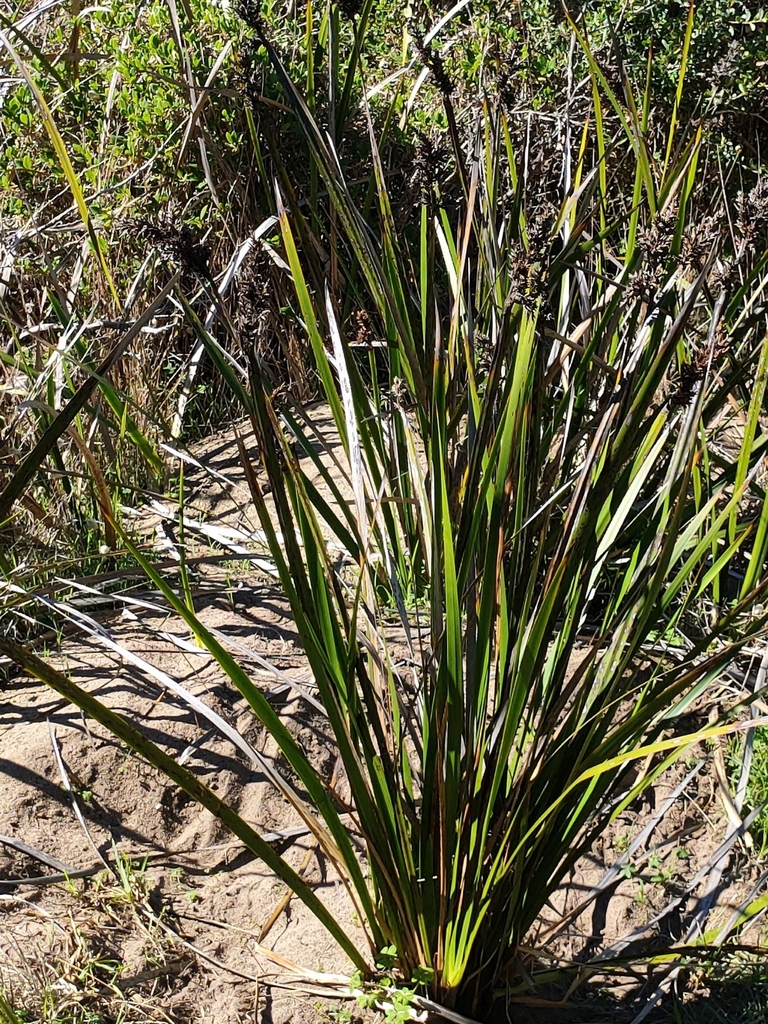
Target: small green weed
(660, 872)
(335, 1014)
(621, 844)
(757, 786)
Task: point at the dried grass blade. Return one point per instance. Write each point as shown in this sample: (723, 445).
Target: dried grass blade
(26, 471)
(32, 851)
(72, 796)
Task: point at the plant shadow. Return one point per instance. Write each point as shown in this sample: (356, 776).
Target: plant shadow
(731, 988)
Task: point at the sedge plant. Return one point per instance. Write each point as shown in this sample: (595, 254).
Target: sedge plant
(528, 487)
(526, 492)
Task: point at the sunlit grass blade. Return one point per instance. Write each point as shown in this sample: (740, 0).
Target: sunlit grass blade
(66, 165)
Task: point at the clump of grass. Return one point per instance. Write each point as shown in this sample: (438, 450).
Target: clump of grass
(80, 976)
